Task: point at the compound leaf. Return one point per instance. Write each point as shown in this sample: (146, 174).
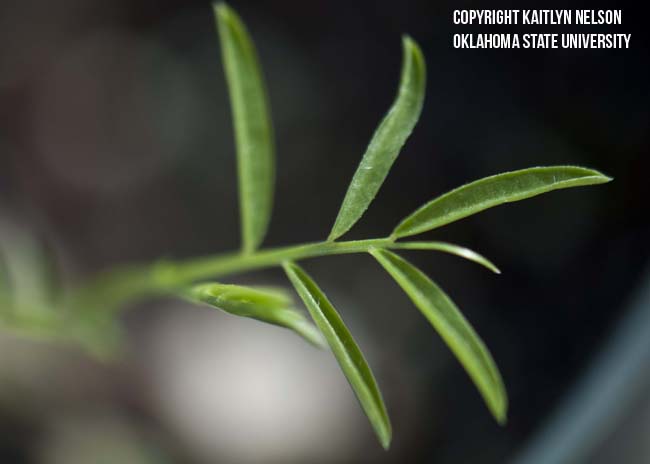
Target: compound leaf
(345, 349)
(493, 191)
(252, 125)
(387, 140)
(270, 305)
(452, 326)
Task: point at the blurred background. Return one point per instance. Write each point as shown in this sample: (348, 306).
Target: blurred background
(116, 146)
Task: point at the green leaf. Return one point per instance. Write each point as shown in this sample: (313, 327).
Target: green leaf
(493, 191)
(345, 349)
(270, 305)
(448, 321)
(387, 140)
(100, 334)
(30, 266)
(252, 124)
(448, 248)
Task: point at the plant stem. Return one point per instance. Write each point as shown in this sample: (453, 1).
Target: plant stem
(220, 266)
(117, 286)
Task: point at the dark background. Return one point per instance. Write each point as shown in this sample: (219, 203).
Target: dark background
(116, 146)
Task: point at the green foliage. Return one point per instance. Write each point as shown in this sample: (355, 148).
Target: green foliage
(345, 349)
(270, 305)
(252, 123)
(387, 141)
(87, 315)
(445, 317)
(31, 304)
(492, 191)
(30, 267)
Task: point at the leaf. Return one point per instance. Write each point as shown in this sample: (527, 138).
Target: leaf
(387, 140)
(493, 191)
(252, 124)
(448, 321)
(272, 306)
(345, 349)
(448, 248)
(30, 267)
(100, 334)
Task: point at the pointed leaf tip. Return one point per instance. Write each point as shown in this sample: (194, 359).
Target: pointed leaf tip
(345, 350)
(253, 129)
(387, 141)
(452, 326)
(492, 191)
(220, 8)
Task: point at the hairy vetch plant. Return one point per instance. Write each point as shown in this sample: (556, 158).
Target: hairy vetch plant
(87, 314)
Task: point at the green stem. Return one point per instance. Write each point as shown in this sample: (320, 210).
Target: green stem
(116, 287)
(223, 265)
